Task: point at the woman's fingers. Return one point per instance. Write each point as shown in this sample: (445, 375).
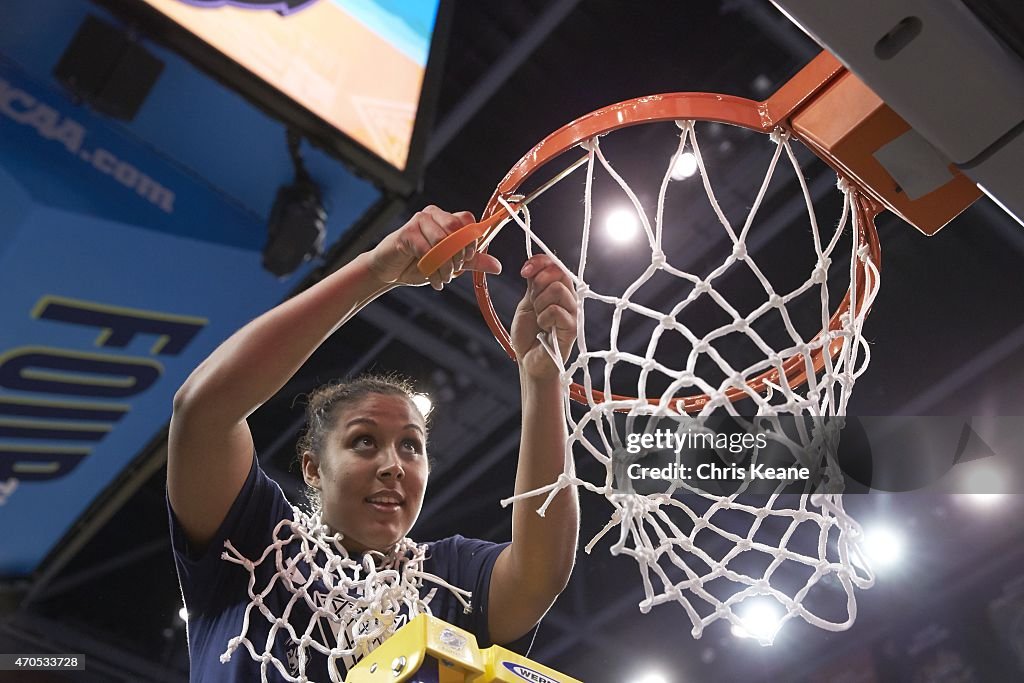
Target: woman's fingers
(420, 235)
(555, 294)
(550, 294)
(484, 263)
(394, 259)
(558, 319)
(555, 308)
(428, 228)
(437, 224)
(434, 225)
(465, 217)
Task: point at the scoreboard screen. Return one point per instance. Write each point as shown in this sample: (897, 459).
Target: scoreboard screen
(357, 69)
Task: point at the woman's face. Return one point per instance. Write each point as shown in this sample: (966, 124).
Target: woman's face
(372, 472)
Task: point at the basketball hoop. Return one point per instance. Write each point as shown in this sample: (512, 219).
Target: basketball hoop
(806, 377)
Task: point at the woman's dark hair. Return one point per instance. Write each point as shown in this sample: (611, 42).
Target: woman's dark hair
(322, 408)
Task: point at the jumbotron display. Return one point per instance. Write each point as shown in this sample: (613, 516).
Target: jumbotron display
(357, 64)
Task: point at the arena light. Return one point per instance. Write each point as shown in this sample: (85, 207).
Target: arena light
(183, 614)
(622, 225)
(760, 619)
(984, 500)
(884, 546)
(684, 167)
(985, 483)
(650, 677)
(423, 403)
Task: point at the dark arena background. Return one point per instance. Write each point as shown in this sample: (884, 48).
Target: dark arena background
(164, 182)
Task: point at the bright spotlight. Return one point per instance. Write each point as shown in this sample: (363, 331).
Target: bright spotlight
(685, 166)
(622, 225)
(760, 620)
(884, 546)
(183, 614)
(650, 677)
(984, 479)
(423, 403)
(984, 500)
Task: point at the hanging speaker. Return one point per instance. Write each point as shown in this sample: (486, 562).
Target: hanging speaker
(107, 69)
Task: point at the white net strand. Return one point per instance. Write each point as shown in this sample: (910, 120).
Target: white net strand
(366, 601)
(659, 530)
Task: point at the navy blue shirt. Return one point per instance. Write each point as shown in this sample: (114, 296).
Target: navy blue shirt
(216, 594)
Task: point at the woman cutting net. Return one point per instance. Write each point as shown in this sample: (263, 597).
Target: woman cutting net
(278, 594)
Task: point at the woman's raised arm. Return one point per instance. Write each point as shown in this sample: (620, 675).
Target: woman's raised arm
(210, 445)
(531, 572)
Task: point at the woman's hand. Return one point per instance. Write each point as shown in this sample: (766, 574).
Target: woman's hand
(394, 260)
(548, 305)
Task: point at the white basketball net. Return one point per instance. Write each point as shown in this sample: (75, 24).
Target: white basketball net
(366, 601)
(724, 556)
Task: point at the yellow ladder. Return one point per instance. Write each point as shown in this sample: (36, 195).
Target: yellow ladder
(428, 650)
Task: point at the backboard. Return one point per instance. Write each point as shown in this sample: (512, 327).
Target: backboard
(953, 70)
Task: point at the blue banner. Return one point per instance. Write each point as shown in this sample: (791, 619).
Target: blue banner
(120, 272)
(68, 158)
